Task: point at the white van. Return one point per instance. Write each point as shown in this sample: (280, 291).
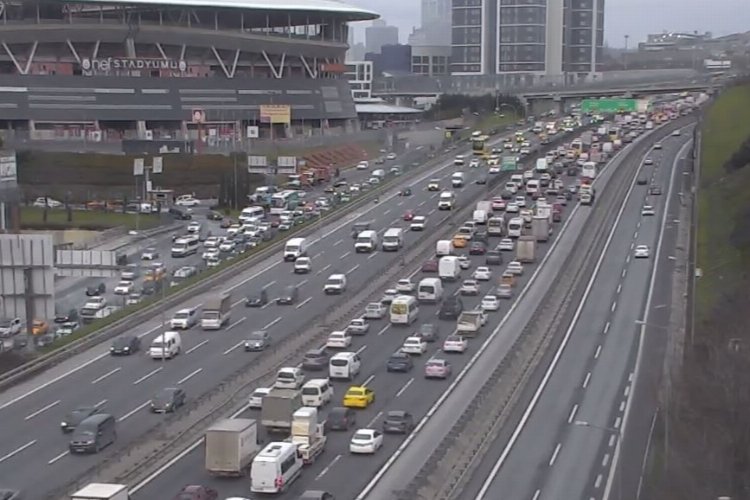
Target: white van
(344, 365)
(249, 213)
(515, 227)
(379, 174)
(404, 310)
(457, 179)
(517, 179)
(459, 160)
(443, 247)
(289, 377)
(275, 467)
(393, 239)
(449, 268)
(185, 318)
(367, 241)
(165, 346)
(317, 392)
(430, 290)
(295, 247)
(185, 245)
(446, 201)
(532, 186)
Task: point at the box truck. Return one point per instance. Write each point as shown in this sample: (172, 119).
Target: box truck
(231, 445)
(216, 312)
(540, 227)
(102, 491)
(278, 408)
(526, 249)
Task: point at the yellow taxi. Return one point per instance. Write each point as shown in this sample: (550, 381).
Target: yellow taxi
(358, 396)
(39, 327)
(459, 241)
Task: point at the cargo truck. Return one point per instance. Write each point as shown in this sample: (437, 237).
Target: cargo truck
(540, 227)
(102, 491)
(470, 322)
(308, 434)
(526, 249)
(278, 408)
(231, 445)
(482, 212)
(216, 312)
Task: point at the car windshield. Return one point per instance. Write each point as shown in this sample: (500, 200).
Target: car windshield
(4, 323)
(257, 336)
(164, 396)
(120, 343)
(78, 414)
(364, 436)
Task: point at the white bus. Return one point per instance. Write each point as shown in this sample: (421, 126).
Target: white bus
(496, 226)
(283, 201)
(275, 468)
(515, 227)
(404, 310)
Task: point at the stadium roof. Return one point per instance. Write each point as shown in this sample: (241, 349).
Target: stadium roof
(313, 6)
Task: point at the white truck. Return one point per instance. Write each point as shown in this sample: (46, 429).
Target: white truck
(216, 312)
(526, 249)
(482, 212)
(541, 228)
(102, 491)
(443, 247)
(278, 408)
(308, 434)
(542, 165)
(449, 268)
(231, 445)
(588, 170)
(470, 322)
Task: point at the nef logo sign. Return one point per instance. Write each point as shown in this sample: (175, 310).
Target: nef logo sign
(117, 64)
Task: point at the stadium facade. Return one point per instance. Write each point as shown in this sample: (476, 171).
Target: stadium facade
(172, 69)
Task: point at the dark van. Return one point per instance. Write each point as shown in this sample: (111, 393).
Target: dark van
(93, 434)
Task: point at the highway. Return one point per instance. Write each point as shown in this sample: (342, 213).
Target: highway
(31, 412)
(564, 441)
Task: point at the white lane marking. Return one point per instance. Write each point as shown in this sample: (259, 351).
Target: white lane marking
(302, 304)
(598, 351)
(303, 282)
(598, 481)
(269, 284)
(368, 380)
(42, 410)
(537, 494)
(612, 440)
(422, 203)
(102, 377)
(406, 386)
(237, 322)
(626, 391)
(384, 329)
(605, 460)
(573, 412)
(238, 303)
(350, 271)
(17, 451)
(635, 235)
(149, 374)
(189, 376)
(374, 419)
(618, 421)
(619, 288)
(431, 212)
(101, 403)
(586, 380)
(338, 242)
(627, 259)
(387, 212)
(614, 306)
(196, 347)
(328, 467)
(58, 457)
(347, 254)
(361, 349)
(134, 411)
(267, 304)
(399, 203)
(147, 332)
(372, 255)
(622, 406)
(323, 270)
(317, 255)
(554, 454)
(606, 327)
(269, 325)
(235, 346)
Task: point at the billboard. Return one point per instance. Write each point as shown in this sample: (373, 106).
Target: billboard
(276, 113)
(257, 164)
(286, 165)
(610, 106)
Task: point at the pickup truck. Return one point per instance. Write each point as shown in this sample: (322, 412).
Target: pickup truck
(470, 322)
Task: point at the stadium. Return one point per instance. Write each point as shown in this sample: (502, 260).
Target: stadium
(172, 69)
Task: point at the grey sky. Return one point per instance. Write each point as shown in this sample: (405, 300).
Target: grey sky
(636, 18)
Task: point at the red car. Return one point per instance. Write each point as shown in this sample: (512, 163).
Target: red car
(430, 266)
(196, 492)
(477, 248)
(408, 215)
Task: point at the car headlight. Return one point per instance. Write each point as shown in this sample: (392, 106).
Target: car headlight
(63, 424)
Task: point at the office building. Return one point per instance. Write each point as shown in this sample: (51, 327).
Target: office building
(359, 74)
(380, 34)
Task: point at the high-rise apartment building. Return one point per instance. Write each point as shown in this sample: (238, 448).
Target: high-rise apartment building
(380, 34)
(527, 39)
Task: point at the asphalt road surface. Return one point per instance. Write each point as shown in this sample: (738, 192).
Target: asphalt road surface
(563, 446)
(32, 444)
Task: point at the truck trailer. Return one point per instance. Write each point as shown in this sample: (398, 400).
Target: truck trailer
(231, 445)
(278, 409)
(526, 249)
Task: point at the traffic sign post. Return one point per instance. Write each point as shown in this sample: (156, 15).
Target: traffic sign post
(609, 106)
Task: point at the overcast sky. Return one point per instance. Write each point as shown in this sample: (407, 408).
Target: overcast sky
(635, 18)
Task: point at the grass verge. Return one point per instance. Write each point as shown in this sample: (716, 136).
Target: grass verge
(33, 218)
(722, 200)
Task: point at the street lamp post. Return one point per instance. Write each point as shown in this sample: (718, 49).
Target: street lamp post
(618, 439)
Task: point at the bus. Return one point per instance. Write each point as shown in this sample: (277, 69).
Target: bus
(404, 310)
(614, 133)
(496, 226)
(577, 146)
(479, 145)
(275, 468)
(283, 201)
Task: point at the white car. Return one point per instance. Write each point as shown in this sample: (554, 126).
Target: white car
(213, 261)
(339, 340)
(504, 291)
(256, 398)
(469, 287)
(302, 265)
(455, 343)
(498, 204)
(482, 273)
(515, 268)
(418, 223)
(358, 326)
(226, 246)
(363, 165)
(494, 169)
(42, 202)
(389, 295)
(490, 303)
(405, 285)
(641, 252)
(528, 174)
(150, 254)
(511, 187)
(464, 262)
(474, 163)
(512, 208)
(187, 201)
(211, 253)
(648, 210)
(648, 161)
(95, 303)
(414, 345)
(505, 245)
(366, 441)
(676, 133)
(375, 310)
(212, 242)
(657, 145)
(520, 201)
(124, 288)
(194, 227)
(391, 156)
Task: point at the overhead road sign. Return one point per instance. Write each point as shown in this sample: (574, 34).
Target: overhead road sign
(611, 106)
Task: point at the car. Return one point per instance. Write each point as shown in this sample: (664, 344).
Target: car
(504, 291)
(389, 295)
(398, 422)
(437, 368)
(505, 245)
(391, 156)
(211, 253)
(474, 163)
(451, 308)
(302, 265)
(408, 215)
(150, 254)
(45, 201)
(641, 252)
(676, 133)
(464, 262)
(512, 208)
(481, 180)
(256, 398)
(125, 345)
(414, 345)
(95, 303)
(68, 328)
(648, 210)
(494, 169)
(258, 298)
(131, 272)
(433, 185)
(168, 400)
(482, 273)
(227, 246)
(477, 248)
(508, 278)
(405, 285)
(654, 189)
(642, 180)
(257, 341)
(375, 310)
(358, 396)
(39, 327)
(71, 420)
(96, 290)
(399, 361)
(194, 227)
(455, 343)
(515, 267)
(498, 204)
(339, 340)
(657, 145)
(358, 326)
(490, 303)
(288, 295)
(124, 287)
(493, 258)
(469, 287)
(648, 161)
(197, 492)
(366, 441)
(418, 223)
(428, 332)
(520, 201)
(133, 299)
(60, 317)
(430, 266)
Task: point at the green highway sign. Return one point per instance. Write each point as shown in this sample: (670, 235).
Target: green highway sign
(509, 163)
(613, 105)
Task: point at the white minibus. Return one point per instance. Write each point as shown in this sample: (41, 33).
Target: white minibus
(275, 468)
(317, 392)
(404, 310)
(430, 290)
(515, 227)
(165, 346)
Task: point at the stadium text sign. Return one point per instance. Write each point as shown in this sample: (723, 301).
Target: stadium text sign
(127, 64)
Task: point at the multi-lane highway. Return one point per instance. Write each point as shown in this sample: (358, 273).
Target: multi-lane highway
(565, 439)
(31, 439)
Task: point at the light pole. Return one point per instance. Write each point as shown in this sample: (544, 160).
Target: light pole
(618, 438)
(625, 54)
